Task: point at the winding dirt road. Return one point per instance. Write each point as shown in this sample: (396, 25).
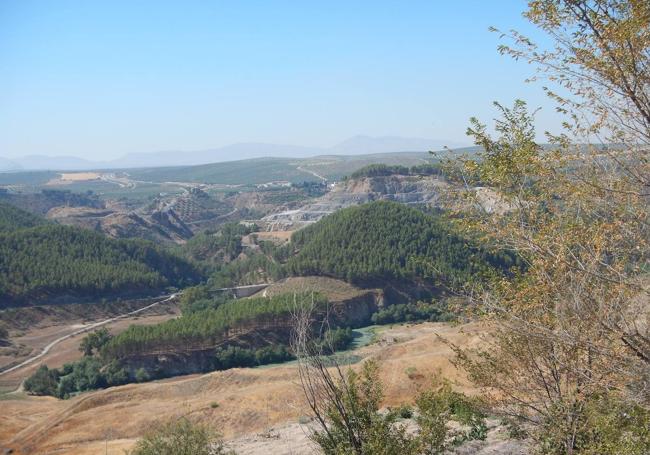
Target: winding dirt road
(87, 328)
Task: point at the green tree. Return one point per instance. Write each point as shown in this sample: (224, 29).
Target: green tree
(43, 382)
(566, 332)
(95, 341)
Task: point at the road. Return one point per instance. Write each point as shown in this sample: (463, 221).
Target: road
(87, 328)
(312, 173)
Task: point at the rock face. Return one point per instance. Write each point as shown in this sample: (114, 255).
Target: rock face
(406, 189)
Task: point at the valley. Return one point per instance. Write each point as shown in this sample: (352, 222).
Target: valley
(242, 257)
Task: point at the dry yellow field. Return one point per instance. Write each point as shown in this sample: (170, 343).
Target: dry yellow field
(249, 400)
(79, 176)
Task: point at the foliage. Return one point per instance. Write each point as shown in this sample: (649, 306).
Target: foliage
(253, 269)
(441, 404)
(336, 339)
(568, 330)
(42, 382)
(204, 328)
(237, 357)
(12, 218)
(141, 375)
(379, 170)
(88, 373)
(44, 262)
(179, 437)
(353, 423)
(608, 426)
(408, 312)
(383, 241)
(215, 247)
(197, 298)
(384, 170)
(94, 341)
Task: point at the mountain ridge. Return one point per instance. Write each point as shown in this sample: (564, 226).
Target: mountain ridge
(355, 145)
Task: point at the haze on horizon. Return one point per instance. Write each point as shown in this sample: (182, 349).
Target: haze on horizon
(102, 80)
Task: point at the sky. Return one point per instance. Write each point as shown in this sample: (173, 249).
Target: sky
(100, 79)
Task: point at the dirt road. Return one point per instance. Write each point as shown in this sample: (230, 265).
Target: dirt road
(86, 328)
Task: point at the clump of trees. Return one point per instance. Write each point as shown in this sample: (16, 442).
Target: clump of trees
(410, 312)
(12, 218)
(206, 328)
(385, 170)
(95, 341)
(238, 357)
(89, 373)
(219, 246)
(387, 241)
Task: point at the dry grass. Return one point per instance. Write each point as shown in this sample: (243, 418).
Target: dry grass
(335, 290)
(250, 400)
(277, 237)
(79, 176)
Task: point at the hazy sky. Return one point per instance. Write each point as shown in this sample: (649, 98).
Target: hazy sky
(99, 79)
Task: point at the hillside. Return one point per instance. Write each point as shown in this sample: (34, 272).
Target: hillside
(12, 218)
(263, 170)
(52, 263)
(250, 400)
(385, 241)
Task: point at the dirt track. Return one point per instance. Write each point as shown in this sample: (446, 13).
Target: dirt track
(84, 329)
(237, 402)
(45, 332)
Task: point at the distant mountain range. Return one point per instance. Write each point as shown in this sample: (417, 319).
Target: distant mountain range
(357, 145)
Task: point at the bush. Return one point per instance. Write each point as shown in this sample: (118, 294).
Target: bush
(355, 424)
(604, 425)
(405, 411)
(115, 375)
(441, 404)
(234, 356)
(412, 312)
(336, 340)
(272, 354)
(179, 437)
(94, 341)
(43, 382)
(141, 375)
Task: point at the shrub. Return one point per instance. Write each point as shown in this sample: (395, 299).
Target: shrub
(141, 375)
(234, 356)
(115, 375)
(94, 341)
(604, 425)
(272, 354)
(179, 437)
(43, 381)
(405, 411)
(355, 424)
